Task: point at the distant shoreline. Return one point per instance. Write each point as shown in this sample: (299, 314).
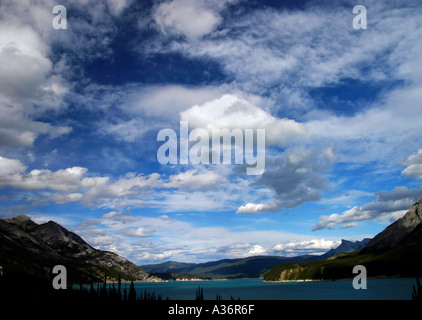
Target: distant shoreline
(343, 279)
(304, 280)
(224, 279)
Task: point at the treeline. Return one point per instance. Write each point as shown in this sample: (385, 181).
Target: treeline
(199, 295)
(113, 292)
(24, 286)
(15, 285)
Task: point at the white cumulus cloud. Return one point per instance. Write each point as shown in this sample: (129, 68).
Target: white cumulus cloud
(233, 112)
(191, 18)
(251, 208)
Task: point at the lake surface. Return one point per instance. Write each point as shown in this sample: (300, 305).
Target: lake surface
(256, 289)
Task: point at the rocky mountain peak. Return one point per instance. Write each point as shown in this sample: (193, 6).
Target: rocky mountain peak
(346, 246)
(397, 231)
(51, 229)
(24, 242)
(22, 221)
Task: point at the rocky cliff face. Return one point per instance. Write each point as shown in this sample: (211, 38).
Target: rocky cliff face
(26, 245)
(397, 231)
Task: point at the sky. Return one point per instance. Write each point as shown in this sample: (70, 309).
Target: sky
(83, 98)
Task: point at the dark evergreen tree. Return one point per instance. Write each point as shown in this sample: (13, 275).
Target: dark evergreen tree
(104, 289)
(199, 293)
(92, 292)
(125, 293)
(119, 288)
(113, 292)
(132, 292)
(417, 291)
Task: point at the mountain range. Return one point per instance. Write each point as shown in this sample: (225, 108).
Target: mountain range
(30, 248)
(250, 267)
(394, 252)
(346, 247)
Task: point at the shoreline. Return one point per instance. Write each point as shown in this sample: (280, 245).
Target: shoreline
(343, 279)
(157, 280)
(301, 280)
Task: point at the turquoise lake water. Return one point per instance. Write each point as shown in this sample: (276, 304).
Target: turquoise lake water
(256, 289)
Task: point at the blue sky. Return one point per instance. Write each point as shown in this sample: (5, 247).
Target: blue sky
(81, 109)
